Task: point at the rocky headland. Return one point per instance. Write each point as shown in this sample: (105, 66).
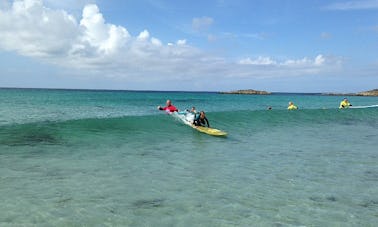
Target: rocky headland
(373, 92)
(246, 92)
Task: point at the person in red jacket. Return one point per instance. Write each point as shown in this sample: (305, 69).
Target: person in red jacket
(169, 107)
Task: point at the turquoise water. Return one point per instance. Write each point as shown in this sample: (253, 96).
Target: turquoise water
(109, 158)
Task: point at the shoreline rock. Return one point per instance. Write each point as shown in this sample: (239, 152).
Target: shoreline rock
(246, 92)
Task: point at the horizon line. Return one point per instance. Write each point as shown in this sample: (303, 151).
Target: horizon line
(183, 91)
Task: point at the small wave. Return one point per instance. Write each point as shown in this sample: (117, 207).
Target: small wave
(273, 118)
(58, 132)
(166, 127)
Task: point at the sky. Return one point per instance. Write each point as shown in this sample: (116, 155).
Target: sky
(191, 45)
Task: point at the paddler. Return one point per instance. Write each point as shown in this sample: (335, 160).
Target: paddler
(201, 120)
(292, 106)
(169, 108)
(344, 104)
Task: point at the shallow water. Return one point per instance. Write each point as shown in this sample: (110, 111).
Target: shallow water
(71, 158)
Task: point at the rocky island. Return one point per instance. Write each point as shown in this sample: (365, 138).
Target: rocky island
(369, 93)
(246, 92)
(373, 92)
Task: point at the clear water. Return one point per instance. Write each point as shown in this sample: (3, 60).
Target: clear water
(109, 158)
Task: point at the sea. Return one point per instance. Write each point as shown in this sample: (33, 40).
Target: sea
(110, 158)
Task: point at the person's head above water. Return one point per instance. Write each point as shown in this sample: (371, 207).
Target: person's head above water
(202, 114)
(168, 103)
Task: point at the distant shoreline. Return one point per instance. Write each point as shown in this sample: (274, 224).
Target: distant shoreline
(241, 92)
(373, 92)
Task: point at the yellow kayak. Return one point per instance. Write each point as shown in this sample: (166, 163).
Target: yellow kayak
(210, 131)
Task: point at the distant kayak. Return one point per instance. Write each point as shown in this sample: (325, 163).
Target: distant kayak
(187, 118)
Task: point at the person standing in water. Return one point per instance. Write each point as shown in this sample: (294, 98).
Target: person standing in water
(193, 110)
(344, 104)
(201, 120)
(190, 115)
(169, 108)
(292, 106)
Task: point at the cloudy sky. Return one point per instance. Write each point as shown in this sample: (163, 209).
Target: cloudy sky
(209, 45)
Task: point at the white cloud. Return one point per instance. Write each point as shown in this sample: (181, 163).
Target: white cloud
(107, 38)
(305, 62)
(259, 61)
(266, 61)
(298, 62)
(33, 30)
(67, 4)
(319, 60)
(156, 42)
(267, 67)
(90, 45)
(354, 5)
(181, 42)
(143, 36)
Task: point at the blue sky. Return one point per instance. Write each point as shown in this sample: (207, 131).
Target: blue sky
(293, 46)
